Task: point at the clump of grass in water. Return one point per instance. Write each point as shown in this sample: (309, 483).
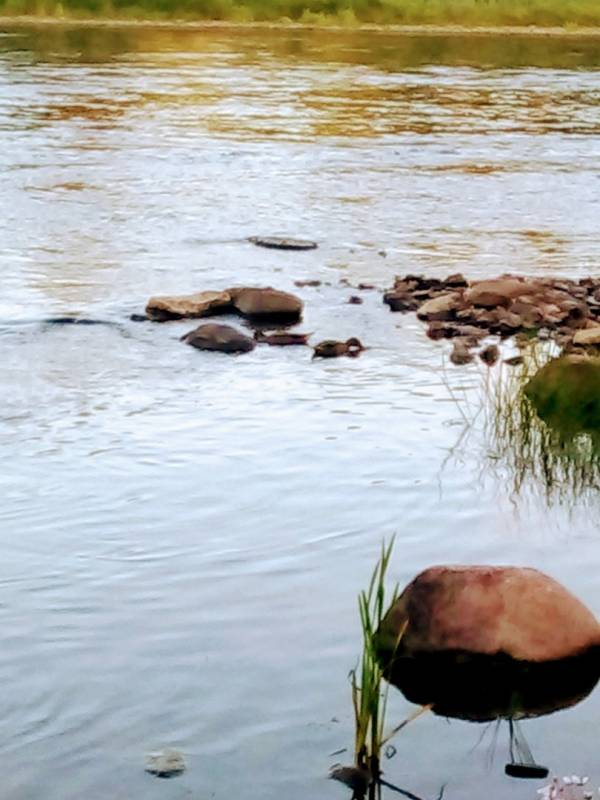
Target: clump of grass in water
(565, 463)
(368, 699)
(561, 463)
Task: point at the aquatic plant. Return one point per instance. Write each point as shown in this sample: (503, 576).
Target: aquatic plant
(557, 452)
(545, 444)
(369, 699)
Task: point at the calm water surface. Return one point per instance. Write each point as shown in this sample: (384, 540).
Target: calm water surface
(184, 534)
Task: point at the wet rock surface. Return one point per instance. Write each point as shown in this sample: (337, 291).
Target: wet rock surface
(486, 642)
(223, 338)
(200, 304)
(502, 306)
(282, 243)
(266, 303)
(166, 764)
(281, 338)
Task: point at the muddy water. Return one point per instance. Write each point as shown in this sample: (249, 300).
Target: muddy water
(184, 534)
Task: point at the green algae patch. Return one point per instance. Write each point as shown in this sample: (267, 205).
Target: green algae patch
(566, 395)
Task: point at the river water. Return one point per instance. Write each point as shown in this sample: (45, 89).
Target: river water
(184, 534)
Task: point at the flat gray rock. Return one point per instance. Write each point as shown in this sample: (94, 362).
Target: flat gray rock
(165, 764)
(282, 243)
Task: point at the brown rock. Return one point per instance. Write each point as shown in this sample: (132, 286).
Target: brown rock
(587, 336)
(201, 304)
(442, 307)
(266, 302)
(399, 300)
(312, 283)
(490, 355)
(224, 338)
(452, 330)
(457, 281)
(460, 353)
(497, 292)
(480, 642)
(281, 338)
(355, 300)
(514, 361)
(489, 610)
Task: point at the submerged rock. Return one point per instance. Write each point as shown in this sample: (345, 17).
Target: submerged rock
(479, 642)
(166, 764)
(282, 243)
(201, 304)
(266, 302)
(281, 338)
(460, 353)
(566, 394)
(223, 338)
(490, 355)
(439, 308)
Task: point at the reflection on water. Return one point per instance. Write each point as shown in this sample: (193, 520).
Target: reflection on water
(183, 533)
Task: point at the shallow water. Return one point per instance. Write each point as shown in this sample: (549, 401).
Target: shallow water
(184, 534)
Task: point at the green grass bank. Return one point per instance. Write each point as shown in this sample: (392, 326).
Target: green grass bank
(569, 14)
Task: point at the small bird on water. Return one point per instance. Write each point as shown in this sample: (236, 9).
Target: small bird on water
(331, 348)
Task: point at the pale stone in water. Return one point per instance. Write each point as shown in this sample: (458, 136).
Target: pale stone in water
(195, 305)
(165, 764)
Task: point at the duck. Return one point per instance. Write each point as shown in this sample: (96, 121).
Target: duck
(281, 338)
(331, 348)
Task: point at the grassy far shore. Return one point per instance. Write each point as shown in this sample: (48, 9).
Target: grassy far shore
(568, 14)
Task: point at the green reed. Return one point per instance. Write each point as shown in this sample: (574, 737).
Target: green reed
(558, 459)
(369, 699)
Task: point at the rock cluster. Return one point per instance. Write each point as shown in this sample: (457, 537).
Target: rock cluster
(456, 308)
(263, 303)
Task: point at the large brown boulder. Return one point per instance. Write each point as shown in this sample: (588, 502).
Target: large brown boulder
(266, 303)
(200, 304)
(223, 338)
(487, 642)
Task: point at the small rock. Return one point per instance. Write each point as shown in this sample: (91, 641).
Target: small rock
(312, 283)
(400, 301)
(439, 308)
(490, 354)
(223, 338)
(281, 338)
(354, 778)
(460, 354)
(514, 361)
(363, 287)
(355, 300)
(456, 281)
(282, 243)
(166, 764)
